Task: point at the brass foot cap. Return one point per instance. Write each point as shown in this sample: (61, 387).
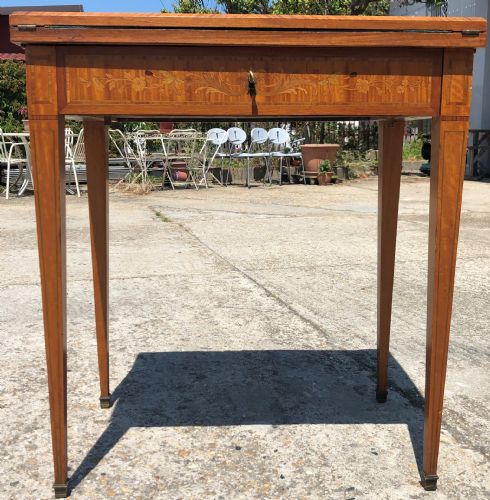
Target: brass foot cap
(60, 490)
(429, 482)
(381, 397)
(105, 401)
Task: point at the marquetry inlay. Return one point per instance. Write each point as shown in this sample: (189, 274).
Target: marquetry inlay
(187, 77)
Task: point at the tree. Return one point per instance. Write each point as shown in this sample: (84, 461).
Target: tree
(12, 95)
(309, 7)
(193, 7)
(246, 6)
(331, 7)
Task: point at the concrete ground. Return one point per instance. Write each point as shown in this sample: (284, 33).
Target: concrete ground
(243, 334)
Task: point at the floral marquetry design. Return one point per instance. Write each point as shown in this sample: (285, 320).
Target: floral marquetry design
(363, 85)
(384, 87)
(150, 79)
(214, 83)
(184, 80)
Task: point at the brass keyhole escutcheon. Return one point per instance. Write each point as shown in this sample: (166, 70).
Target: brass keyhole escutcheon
(252, 90)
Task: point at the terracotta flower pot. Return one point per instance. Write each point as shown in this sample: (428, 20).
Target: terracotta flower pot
(325, 178)
(180, 176)
(25, 123)
(314, 154)
(177, 170)
(166, 126)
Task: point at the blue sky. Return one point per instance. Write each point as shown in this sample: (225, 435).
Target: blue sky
(99, 5)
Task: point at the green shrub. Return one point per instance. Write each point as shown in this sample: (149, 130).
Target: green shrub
(412, 150)
(325, 166)
(12, 95)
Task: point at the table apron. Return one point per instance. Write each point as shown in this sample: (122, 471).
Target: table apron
(216, 81)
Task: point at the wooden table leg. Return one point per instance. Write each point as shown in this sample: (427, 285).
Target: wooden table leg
(97, 182)
(449, 140)
(389, 175)
(48, 155)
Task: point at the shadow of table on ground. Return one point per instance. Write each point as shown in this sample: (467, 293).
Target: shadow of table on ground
(279, 387)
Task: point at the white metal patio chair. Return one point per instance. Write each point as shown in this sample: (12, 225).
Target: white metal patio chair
(280, 140)
(122, 153)
(182, 151)
(216, 138)
(236, 141)
(258, 148)
(151, 150)
(13, 153)
(74, 157)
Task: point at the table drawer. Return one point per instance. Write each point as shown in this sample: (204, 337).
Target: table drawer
(171, 81)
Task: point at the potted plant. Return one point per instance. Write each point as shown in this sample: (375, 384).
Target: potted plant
(341, 164)
(314, 154)
(326, 173)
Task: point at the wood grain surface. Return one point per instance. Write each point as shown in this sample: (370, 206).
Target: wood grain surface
(96, 151)
(243, 30)
(254, 21)
(389, 177)
(199, 81)
(449, 140)
(48, 157)
(255, 38)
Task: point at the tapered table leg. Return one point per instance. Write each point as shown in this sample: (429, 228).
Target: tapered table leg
(449, 139)
(389, 175)
(47, 139)
(97, 182)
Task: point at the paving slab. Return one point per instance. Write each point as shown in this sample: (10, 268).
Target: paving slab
(242, 337)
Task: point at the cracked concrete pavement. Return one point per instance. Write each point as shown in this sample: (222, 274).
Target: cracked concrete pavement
(242, 336)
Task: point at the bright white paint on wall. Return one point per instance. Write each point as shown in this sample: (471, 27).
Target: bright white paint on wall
(480, 104)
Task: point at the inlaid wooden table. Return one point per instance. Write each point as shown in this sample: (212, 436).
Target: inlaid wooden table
(105, 67)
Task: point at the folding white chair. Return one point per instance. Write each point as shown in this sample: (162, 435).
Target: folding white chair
(151, 149)
(280, 139)
(215, 139)
(257, 149)
(74, 156)
(123, 153)
(13, 153)
(181, 147)
(236, 140)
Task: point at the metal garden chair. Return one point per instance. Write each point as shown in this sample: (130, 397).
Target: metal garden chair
(280, 139)
(14, 153)
(236, 141)
(123, 153)
(216, 138)
(258, 148)
(74, 157)
(181, 150)
(151, 150)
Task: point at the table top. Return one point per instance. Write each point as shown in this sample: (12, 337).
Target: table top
(220, 29)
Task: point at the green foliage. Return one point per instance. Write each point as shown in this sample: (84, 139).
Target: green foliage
(246, 6)
(308, 7)
(325, 166)
(341, 158)
(12, 95)
(331, 7)
(193, 7)
(228, 6)
(413, 150)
